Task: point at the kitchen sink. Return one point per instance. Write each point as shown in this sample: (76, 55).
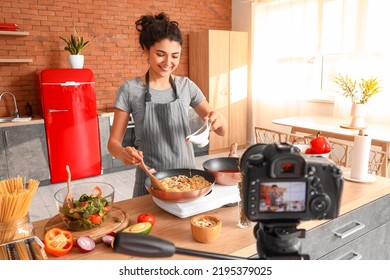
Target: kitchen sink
(14, 119)
(6, 119)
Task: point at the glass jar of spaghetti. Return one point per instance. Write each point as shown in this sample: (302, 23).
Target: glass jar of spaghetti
(16, 229)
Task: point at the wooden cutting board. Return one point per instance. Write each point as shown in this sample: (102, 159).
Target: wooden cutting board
(116, 221)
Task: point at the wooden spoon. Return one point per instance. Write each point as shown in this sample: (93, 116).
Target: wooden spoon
(156, 184)
(68, 202)
(233, 150)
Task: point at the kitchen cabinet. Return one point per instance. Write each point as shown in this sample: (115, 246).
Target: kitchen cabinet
(363, 233)
(218, 64)
(104, 133)
(23, 152)
(15, 60)
(108, 162)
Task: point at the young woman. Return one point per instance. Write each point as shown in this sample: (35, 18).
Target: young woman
(159, 103)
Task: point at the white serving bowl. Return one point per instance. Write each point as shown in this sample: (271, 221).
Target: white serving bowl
(303, 147)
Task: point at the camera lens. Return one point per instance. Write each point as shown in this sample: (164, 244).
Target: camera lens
(320, 204)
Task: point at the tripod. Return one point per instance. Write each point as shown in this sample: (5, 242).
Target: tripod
(279, 240)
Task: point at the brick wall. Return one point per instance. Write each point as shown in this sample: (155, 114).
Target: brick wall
(114, 55)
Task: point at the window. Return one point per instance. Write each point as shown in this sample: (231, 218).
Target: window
(300, 45)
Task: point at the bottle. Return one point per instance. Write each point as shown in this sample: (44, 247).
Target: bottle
(28, 110)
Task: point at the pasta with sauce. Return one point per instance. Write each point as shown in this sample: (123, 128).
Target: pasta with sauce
(182, 183)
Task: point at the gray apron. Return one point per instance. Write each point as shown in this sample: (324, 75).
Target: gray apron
(163, 142)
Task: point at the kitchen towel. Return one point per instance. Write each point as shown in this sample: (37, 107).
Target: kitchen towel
(360, 157)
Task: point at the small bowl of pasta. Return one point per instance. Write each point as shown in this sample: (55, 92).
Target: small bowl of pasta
(206, 228)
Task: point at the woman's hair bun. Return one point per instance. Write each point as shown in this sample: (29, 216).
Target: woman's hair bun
(154, 28)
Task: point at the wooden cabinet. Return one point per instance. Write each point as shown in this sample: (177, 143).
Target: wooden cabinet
(23, 152)
(363, 233)
(218, 64)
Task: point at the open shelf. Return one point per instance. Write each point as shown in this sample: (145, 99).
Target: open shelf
(15, 60)
(14, 33)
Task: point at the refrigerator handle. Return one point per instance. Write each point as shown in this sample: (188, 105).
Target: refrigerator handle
(56, 111)
(68, 84)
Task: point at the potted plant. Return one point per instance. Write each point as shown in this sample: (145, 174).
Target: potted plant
(359, 93)
(75, 45)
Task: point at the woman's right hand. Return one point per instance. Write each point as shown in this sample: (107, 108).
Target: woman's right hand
(132, 156)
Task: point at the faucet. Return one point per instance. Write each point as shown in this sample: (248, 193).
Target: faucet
(16, 113)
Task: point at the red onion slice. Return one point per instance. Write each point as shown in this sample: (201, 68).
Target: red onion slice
(85, 244)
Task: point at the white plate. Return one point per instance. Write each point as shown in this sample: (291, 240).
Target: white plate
(302, 148)
(370, 178)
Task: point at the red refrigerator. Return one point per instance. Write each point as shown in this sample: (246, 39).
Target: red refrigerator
(71, 122)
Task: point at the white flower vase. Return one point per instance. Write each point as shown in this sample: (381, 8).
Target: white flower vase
(76, 61)
(358, 113)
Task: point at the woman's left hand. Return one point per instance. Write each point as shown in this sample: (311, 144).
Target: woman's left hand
(218, 123)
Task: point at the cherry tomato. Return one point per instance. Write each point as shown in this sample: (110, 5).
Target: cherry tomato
(320, 145)
(146, 217)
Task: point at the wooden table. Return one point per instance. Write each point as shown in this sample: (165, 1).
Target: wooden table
(232, 240)
(331, 127)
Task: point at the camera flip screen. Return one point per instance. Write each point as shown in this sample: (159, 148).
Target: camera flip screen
(281, 196)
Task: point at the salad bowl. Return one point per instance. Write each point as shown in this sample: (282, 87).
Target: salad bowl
(90, 207)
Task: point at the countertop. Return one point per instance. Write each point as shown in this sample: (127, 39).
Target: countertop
(105, 112)
(232, 240)
(38, 119)
(35, 120)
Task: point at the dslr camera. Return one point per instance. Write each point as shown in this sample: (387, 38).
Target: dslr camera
(280, 184)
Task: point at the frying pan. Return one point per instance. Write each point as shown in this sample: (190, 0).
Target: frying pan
(180, 196)
(225, 170)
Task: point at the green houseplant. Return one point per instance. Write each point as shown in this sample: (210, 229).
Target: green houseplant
(359, 93)
(75, 44)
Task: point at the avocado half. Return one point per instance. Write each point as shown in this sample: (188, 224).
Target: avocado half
(141, 228)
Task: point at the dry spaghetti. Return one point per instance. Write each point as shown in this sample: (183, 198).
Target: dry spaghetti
(16, 195)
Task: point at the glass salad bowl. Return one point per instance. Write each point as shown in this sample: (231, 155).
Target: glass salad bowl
(90, 206)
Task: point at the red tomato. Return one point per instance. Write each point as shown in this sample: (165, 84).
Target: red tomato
(309, 151)
(320, 145)
(96, 219)
(106, 209)
(146, 217)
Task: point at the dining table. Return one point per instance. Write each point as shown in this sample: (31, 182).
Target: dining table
(340, 129)
(233, 239)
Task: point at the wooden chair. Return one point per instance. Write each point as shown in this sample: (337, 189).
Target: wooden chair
(341, 155)
(268, 136)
